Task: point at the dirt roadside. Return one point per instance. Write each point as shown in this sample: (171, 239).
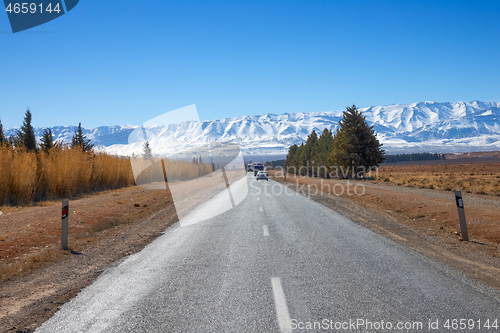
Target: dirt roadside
(104, 228)
(422, 219)
(28, 300)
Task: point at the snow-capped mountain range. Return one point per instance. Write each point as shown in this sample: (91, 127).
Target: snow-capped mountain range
(417, 127)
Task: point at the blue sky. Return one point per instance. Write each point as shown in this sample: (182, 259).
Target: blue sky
(124, 62)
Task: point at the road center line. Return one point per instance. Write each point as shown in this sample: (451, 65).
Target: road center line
(281, 307)
(261, 209)
(266, 230)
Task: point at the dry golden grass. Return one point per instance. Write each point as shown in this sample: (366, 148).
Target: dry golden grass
(151, 171)
(470, 178)
(60, 173)
(64, 173)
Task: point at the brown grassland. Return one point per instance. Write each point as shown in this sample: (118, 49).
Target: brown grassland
(481, 178)
(60, 173)
(27, 177)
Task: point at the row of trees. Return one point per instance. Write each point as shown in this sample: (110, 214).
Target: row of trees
(414, 157)
(352, 151)
(31, 171)
(25, 138)
(275, 164)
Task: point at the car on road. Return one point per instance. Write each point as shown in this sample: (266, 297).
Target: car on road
(262, 175)
(257, 166)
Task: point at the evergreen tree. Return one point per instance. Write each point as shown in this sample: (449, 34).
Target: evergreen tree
(147, 153)
(298, 160)
(47, 140)
(290, 157)
(12, 141)
(26, 136)
(321, 154)
(80, 141)
(308, 153)
(355, 147)
(3, 140)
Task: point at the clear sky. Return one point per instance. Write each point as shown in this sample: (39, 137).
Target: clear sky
(124, 62)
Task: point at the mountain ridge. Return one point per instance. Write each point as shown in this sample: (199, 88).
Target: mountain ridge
(421, 126)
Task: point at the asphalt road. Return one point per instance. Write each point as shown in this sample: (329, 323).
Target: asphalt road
(275, 262)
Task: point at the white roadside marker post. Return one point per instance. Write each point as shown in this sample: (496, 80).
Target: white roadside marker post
(64, 225)
(461, 215)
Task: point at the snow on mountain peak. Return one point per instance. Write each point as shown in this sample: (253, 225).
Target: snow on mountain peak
(422, 126)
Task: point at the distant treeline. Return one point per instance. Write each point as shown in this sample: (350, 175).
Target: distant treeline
(275, 164)
(413, 157)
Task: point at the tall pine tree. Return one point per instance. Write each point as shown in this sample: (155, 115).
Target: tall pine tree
(298, 160)
(47, 140)
(3, 140)
(321, 154)
(80, 141)
(313, 153)
(355, 145)
(26, 136)
(147, 153)
(289, 161)
(309, 152)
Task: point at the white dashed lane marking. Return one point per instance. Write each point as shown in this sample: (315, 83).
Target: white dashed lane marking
(266, 230)
(281, 307)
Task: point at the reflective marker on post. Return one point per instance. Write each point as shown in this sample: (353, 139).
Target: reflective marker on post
(64, 225)
(461, 215)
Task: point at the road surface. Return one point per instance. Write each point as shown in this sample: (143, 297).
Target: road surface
(278, 262)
